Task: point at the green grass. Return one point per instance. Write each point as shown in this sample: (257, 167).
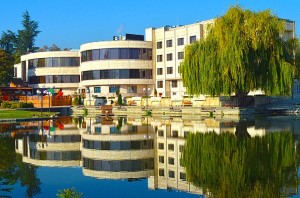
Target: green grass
(7, 114)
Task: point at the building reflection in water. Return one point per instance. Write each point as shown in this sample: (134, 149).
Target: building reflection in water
(53, 143)
(117, 149)
(132, 148)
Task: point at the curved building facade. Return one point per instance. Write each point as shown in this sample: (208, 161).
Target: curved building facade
(56, 69)
(124, 65)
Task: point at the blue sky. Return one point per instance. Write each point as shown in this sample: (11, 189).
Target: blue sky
(70, 23)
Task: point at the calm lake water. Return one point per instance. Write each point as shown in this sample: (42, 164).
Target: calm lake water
(151, 157)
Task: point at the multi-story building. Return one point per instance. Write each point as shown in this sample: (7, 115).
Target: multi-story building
(131, 64)
(168, 45)
(59, 70)
(124, 65)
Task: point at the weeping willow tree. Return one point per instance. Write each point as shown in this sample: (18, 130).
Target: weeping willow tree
(225, 166)
(243, 51)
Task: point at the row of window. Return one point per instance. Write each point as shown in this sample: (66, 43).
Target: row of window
(161, 146)
(160, 84)
(117, 74)
(171, 174)
(54, 79)
(119, 165)
(53, 62)
(113, 89)
(180, 41)
(118, 145)
(116, 53)
(180, 55)
(55, 138)
(160, 71)
(55, 155)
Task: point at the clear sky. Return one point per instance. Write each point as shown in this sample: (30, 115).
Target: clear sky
(70, 23)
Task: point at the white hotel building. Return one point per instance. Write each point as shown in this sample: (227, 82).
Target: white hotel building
(132, 64)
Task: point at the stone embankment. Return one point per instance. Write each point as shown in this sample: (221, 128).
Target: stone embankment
(163, 111)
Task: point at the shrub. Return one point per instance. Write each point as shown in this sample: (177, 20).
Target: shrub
(5, 104)
(75, 101)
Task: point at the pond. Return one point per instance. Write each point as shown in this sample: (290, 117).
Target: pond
(151, 157)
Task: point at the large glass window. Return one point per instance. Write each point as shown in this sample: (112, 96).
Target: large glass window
(54, 79)
(117, 74)
(116, 53)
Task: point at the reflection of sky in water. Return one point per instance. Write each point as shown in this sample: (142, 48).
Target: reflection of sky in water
(92, 187)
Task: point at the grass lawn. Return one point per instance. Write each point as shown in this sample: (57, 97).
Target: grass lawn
(8, 113)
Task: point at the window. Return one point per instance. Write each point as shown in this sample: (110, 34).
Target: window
(97, 89)
(161, 172)
(175, 133)
(159, 45)
(169, 70)
(171, 147)
(182, 176)
(169, 43)
(161, 146)
(169, 57)
(171, 161)
(192, 39)
(174, 83)
(131, 89)
(180, 55)
(113, 89)
(171, 174)
(15, 72)
(180, 148)
(159, 71)
(161, 159)
(180, 41)
(160, 133)
(160, 84)
(159, 58)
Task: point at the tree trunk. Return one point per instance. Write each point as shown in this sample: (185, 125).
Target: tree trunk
(241, 98)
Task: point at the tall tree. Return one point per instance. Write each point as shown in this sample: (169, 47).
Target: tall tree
(243, 51)
(26, 36)
(6, 68)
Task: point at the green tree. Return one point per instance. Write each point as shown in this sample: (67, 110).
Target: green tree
(8, 41)
(243, 51)
(26, 36)
(6, 68)
(120, 101)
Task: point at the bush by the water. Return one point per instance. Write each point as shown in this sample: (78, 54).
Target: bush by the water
(15, 105)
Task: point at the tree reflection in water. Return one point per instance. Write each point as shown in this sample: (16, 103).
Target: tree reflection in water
(226, 166)
(12, 170)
